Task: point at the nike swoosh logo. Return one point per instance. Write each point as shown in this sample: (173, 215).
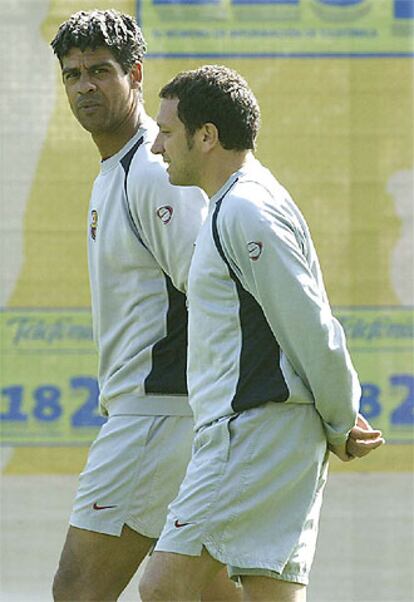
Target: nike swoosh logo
(97, 507)
(178, 524)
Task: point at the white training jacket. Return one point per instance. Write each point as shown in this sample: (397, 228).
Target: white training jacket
(141, 236)
(260, 324)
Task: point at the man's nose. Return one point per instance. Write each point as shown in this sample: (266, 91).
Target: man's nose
(85, 84)
(157, 147)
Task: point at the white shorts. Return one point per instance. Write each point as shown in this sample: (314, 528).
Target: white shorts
(134, 469)
(252, 493)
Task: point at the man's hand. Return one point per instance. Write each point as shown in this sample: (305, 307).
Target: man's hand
(361, 440)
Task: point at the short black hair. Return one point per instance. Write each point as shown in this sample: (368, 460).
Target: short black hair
(91, 29)
(219, 95)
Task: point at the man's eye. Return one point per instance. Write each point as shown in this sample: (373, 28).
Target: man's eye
(100, 71)
(70, 75)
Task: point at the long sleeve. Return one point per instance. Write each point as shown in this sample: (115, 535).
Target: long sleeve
(270, 250)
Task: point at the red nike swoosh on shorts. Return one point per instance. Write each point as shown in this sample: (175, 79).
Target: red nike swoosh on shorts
(178, 524)
(97, 507)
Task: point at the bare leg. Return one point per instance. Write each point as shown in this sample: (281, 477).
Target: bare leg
(172, 577)
(266, 589)
(98, 567)
(222, 589)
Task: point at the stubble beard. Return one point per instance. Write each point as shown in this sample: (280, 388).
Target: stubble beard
(94, 124)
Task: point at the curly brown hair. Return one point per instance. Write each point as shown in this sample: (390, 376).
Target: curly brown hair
(91, 29)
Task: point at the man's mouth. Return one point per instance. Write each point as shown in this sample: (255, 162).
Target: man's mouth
(88, 105)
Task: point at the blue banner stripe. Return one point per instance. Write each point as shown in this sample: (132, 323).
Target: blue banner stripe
(404, 9)
(187, 2)
(253, 2)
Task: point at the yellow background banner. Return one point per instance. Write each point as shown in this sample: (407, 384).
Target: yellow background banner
(50, 392)
(277, 27)
(337, 132)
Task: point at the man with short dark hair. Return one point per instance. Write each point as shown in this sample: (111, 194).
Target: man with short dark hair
(140, 242)
(271, 383)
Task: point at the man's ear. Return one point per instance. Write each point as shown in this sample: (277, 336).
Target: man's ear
(136, 75)
(208, 136)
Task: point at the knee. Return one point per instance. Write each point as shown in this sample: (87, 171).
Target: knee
(153, 591)
(70, 585)
(146, 589)
(63, 587)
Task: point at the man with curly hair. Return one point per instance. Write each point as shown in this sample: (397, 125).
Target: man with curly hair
(140, 242)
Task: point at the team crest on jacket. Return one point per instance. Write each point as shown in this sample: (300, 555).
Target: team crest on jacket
(94, 223)
(165, 213)
(255, 250)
